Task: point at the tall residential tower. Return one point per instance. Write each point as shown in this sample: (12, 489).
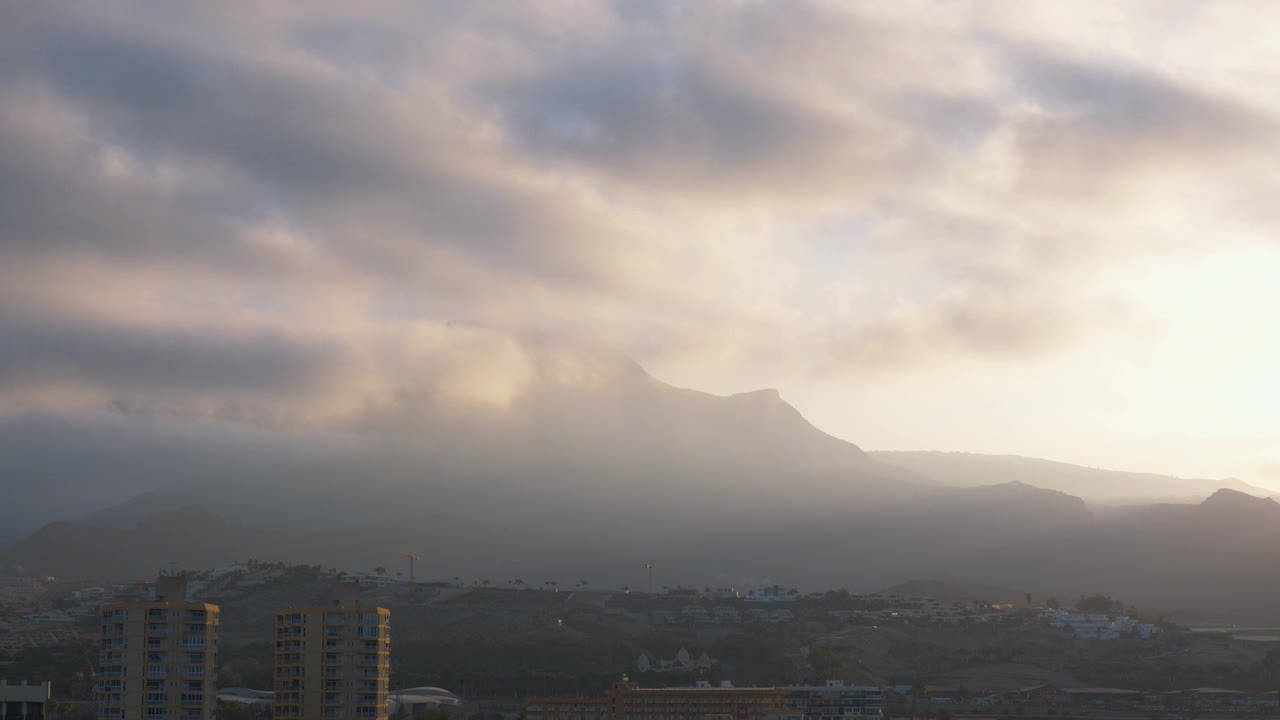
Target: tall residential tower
(333, 661)
(159, 657)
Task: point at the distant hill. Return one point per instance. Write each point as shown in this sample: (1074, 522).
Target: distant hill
(1216, 557)
(1092, 484)
(861, 548)
(954, 592)
(595, 469)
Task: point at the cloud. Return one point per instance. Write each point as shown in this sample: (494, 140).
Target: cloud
(296, 211)
(1111, 126)
(36, 351)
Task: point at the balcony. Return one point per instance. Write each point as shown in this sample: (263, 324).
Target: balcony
(157, 629)
(116, 644)
(193, 671)
(157, 698)
(189, 699)
(157, 671)
(333, 672)
(289, 632)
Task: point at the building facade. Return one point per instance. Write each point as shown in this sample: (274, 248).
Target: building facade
(159, 657)
(836, 701)
(628, 701)
(21, 701)
(333, 661)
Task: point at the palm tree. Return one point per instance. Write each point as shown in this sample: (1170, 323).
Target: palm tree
(380, 570)
(517, 582)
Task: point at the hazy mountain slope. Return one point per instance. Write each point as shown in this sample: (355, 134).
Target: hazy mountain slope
(733, 543)
(593, 427)
(1216, 557)
(1094, 484)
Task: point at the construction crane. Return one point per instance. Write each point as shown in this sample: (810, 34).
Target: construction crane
(413, 557)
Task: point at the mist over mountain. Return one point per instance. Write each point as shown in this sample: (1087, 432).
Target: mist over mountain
(592, 455)
(1212, 558)
(592, 469)
(1093, 484)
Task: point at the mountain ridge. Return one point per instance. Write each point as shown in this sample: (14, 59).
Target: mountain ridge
(1093, 484)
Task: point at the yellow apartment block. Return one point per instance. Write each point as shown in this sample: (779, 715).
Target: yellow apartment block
(333, 661)
(159, 658)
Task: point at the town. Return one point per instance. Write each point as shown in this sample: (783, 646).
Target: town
(260, 639)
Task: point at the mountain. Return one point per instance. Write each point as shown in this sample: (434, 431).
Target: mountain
(594, 468)
(1214, 558)
(1092, 484)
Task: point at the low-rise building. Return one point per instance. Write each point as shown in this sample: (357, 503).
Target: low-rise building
(24, 702)
(835, 701)
(628, 701)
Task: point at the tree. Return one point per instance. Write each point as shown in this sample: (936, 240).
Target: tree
(1097, 603)
(1028, 598)
(1053, 603)
(380, 570)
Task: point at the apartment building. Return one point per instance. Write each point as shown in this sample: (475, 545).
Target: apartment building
(628, 701)
(159, 657)
(333, 661)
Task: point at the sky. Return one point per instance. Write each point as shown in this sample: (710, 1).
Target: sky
(1038, 228)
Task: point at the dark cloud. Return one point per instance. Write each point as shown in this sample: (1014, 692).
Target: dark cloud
(34, 350)
(1108, 124)
(665, 120)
